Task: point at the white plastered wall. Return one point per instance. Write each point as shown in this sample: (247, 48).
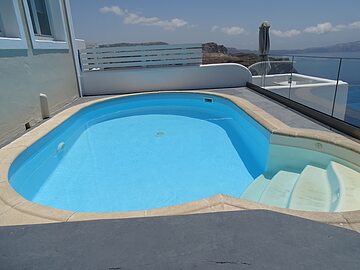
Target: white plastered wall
(24, 74)
(164, 78)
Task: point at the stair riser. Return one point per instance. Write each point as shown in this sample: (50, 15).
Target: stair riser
(279, 190)
(334, 186)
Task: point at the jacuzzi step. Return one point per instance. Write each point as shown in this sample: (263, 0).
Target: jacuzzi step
(255, 189)
(278, 191)
(312, 191)
(349, 185)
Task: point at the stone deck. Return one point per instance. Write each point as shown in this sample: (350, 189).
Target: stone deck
(254, 240)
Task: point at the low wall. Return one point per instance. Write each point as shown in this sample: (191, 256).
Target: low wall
(164, 78)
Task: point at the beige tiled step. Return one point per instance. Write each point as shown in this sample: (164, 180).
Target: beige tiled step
(312, 191)
(278, 192)
(349, 185)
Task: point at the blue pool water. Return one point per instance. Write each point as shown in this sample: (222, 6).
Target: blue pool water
(143, 152)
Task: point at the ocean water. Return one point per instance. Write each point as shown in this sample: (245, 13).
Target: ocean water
(326, 65)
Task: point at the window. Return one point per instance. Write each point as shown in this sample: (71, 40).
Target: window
(2, 32)
(46, 24)
(39, 17)
(11, 28)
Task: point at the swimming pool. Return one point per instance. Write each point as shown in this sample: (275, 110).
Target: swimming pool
(144, 152)
(149, 151)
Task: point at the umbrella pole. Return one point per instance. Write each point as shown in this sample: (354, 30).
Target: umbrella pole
(263, 60)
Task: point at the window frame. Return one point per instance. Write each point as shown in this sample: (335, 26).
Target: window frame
(37, 21)
(52, 42)
(2, 29)
(11, 42)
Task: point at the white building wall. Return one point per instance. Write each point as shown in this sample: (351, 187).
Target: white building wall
(26, 73)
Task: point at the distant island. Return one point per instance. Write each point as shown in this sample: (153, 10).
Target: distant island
(212, 47)
(125, 44)
(353, 46)
(341, 47)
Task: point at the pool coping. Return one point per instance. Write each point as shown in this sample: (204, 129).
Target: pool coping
(16, 210)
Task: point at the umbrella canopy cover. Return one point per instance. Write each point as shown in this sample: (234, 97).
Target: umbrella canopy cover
(264, 38)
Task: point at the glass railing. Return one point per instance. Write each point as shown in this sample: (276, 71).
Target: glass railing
(327, 84)
(350, 74)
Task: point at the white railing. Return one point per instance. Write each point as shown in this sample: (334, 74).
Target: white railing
(140, 56)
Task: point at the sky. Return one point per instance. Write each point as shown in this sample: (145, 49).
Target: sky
(294, 24)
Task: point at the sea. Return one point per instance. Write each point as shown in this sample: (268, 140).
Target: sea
(326, 65)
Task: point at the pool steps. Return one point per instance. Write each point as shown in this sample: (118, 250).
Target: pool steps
(255, 189)
(336, 188)
(349, 185)
(312, 191)
(278, 191)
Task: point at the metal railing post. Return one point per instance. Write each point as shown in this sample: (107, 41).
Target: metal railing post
(336, 88)
(291, 74)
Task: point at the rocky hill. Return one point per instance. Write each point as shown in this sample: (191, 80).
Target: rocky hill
(212, 47)
(214, 53)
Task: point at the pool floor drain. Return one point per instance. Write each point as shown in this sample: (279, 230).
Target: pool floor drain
(60, 147)
(160, 134)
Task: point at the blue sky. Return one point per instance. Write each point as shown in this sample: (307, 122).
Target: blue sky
(294, 24)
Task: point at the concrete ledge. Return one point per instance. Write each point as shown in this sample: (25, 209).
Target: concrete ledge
(16, 210)
(174, 78)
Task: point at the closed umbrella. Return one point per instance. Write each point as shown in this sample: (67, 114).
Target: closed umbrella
(264, 39)
(264, 48)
